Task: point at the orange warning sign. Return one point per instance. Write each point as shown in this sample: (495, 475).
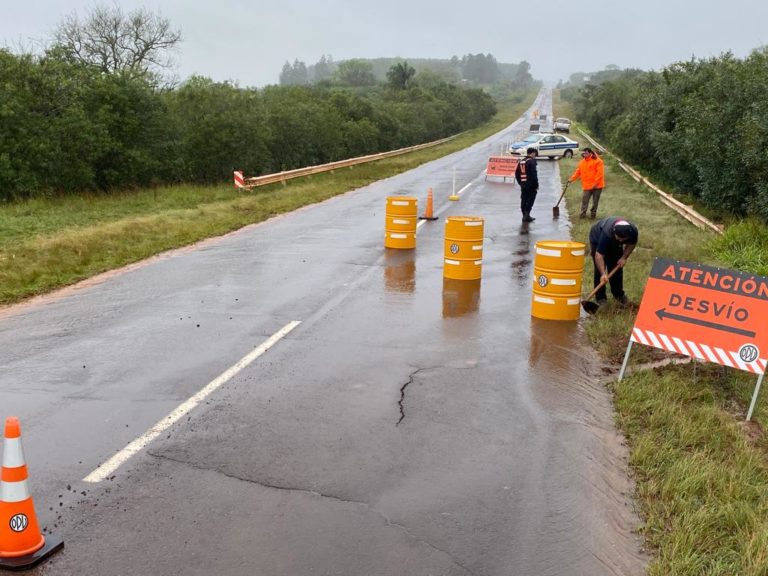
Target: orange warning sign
(501, 166)
(712, 314)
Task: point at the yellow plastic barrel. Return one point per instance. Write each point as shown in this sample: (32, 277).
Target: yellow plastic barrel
(560, 255)
(400, 225)
(557, 283)
(555, 307)
(558, 267)
(463, 248)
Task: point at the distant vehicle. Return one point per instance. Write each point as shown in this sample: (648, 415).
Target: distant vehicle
(562, 125)
(549, 145)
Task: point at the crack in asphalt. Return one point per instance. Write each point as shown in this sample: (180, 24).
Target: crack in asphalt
(401, 403)
(402, 395)
(319, 495)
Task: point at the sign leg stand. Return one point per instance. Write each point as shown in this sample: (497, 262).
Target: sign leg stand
(754, 396)
(626, 360)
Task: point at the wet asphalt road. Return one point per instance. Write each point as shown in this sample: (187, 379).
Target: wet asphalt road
(408, 425)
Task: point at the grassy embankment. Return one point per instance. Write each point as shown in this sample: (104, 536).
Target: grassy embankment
(701, 472)
(50, 243)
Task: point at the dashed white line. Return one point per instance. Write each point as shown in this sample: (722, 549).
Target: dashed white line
(108, 468)
(459, 193)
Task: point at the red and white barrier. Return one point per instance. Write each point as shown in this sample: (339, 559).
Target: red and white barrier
(239, 180)
(697, 350)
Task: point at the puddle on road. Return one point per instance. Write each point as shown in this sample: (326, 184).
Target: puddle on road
(521, 264)
(565, 382)
(399, 271)
(460, 297)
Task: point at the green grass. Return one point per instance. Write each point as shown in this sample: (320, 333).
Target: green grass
(662, 233)
(49, 243)
(701, 472)
(700, 484)
(744, 246)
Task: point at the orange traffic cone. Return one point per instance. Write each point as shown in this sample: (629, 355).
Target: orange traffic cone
(428, 211)
(22, 545)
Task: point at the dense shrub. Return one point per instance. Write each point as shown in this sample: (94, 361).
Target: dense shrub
(700, 125)
(70, 127)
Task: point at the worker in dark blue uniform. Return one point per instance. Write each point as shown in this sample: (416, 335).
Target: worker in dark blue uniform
(528, 179)
(611, 241)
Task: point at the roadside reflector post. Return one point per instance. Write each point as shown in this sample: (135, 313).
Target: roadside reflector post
(453, 195)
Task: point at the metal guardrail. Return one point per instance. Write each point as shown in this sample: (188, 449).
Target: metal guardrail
(298, 172)
(683, 210)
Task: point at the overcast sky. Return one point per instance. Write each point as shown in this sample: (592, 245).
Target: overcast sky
(249, 41)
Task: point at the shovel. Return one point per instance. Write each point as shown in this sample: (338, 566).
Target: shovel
(556, 207)
(592, 307)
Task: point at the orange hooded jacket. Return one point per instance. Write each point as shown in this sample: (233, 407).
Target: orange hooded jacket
(591, 170)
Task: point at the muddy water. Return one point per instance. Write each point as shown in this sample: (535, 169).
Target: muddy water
(588, 457)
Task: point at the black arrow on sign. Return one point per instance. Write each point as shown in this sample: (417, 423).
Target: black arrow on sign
(662, 313)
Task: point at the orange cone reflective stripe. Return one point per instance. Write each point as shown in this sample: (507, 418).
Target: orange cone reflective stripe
(22, 545)
(428, 211)
(19, 532)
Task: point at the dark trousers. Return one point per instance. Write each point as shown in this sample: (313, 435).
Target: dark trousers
(616, 281)
(585, 196)
(527, 198)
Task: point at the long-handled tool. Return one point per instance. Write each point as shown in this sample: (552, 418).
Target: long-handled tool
(592, 307)
(556, 207)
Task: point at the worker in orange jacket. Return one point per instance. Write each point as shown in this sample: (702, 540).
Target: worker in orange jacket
(591, 170)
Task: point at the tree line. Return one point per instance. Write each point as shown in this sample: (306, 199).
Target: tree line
(699, 125)
(95, 111)
(479, 69)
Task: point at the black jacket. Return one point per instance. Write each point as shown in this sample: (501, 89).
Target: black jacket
(531, 181)
(601, 238)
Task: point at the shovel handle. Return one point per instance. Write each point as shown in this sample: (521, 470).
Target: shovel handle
(603, 282)
(563, 194)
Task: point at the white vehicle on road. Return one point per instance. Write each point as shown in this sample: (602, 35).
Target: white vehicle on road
(549, 145)
(562, 125)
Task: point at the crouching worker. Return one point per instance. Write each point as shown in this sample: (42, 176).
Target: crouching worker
(611, 241)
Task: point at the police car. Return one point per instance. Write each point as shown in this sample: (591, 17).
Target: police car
(549, 145)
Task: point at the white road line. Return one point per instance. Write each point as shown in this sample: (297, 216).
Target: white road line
(109, 467)
(421, 222)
